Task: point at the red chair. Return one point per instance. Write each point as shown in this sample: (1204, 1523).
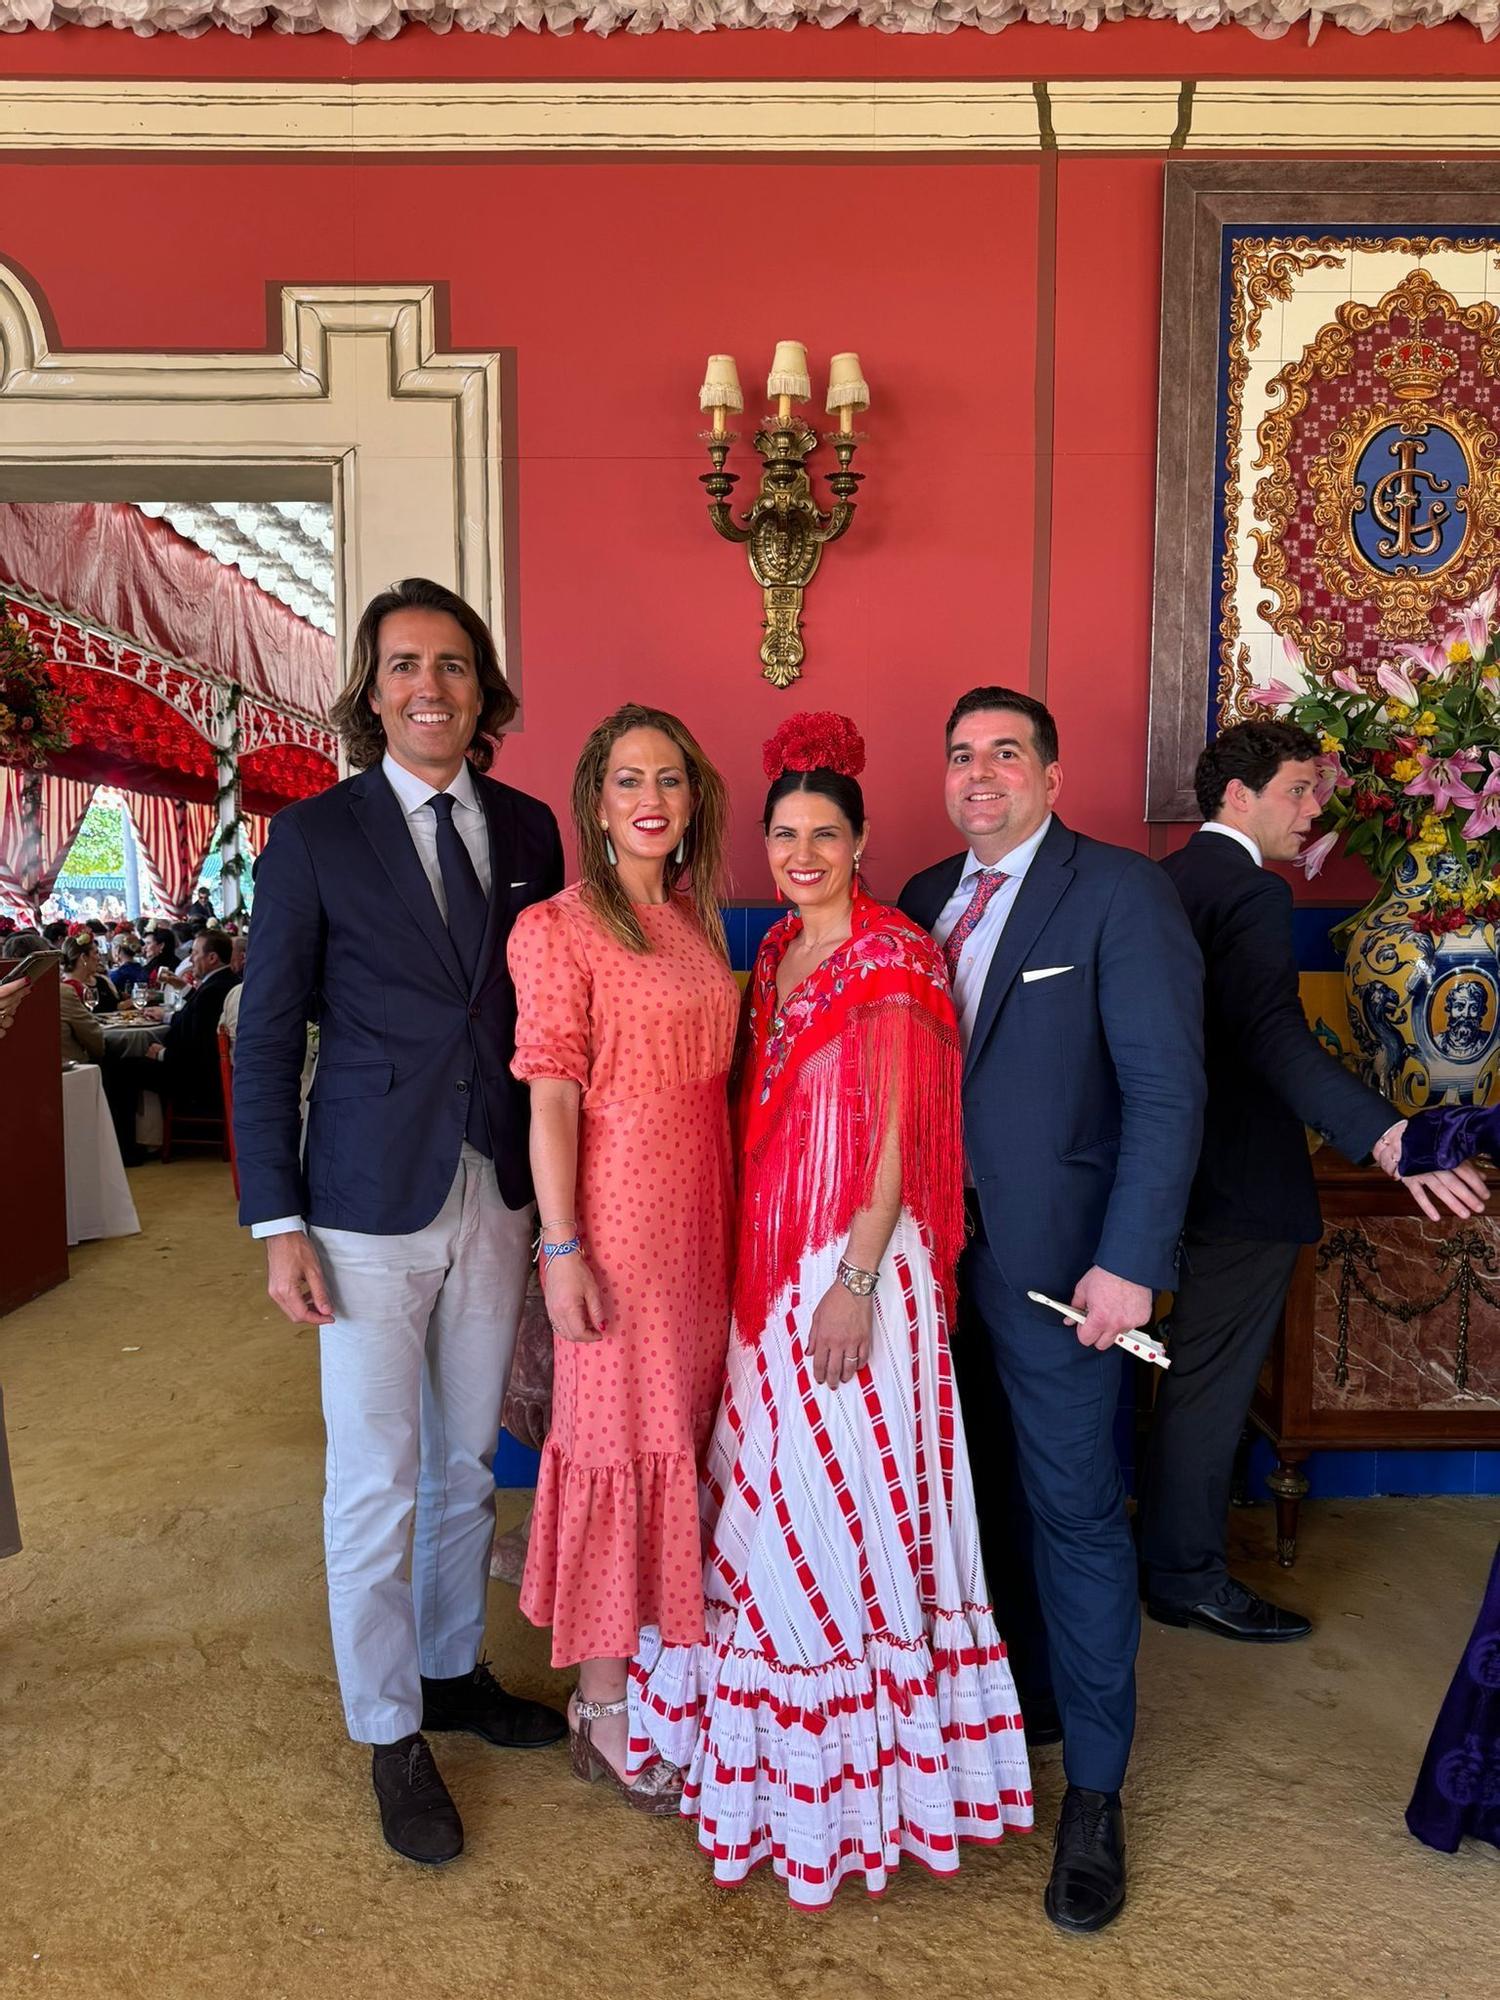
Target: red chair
(226, 1084)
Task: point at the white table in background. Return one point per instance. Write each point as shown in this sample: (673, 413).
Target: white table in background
(99, 1201)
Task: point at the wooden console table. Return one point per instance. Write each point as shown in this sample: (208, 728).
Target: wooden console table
(1391, 1335)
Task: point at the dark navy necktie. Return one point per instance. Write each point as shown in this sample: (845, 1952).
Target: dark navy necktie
(468, 906)
(468, 910)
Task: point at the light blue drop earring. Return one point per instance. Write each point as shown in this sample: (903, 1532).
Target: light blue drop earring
(609, 852)
(679, 854)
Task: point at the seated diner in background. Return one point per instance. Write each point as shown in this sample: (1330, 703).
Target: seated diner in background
(83, 972)
(183, 1068)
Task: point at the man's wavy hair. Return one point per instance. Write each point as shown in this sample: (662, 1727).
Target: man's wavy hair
(361, 729)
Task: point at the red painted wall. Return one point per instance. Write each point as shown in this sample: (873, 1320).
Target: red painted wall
(1011, 479)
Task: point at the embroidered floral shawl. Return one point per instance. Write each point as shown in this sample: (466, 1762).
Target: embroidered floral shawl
(869, 1034)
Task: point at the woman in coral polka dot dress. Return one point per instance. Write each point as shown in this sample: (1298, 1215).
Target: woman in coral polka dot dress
(626, 1021)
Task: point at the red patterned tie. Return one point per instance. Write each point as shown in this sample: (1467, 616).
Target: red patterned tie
(989, 881)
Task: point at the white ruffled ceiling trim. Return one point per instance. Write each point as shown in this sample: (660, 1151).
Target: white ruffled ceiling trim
(357, 19)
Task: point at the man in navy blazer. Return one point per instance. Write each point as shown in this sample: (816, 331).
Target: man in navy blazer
(1254, 1203)
(402, 1227)
(1079, 994)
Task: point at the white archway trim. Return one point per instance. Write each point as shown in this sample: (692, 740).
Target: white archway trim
(407, 438)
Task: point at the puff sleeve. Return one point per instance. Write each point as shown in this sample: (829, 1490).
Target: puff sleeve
(554, 985)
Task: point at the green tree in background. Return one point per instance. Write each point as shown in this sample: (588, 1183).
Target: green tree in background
(100, 846)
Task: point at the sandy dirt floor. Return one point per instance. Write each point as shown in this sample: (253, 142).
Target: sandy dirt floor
(182, 1817)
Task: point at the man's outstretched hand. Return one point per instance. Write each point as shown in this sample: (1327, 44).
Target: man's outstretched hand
(1462, 1189)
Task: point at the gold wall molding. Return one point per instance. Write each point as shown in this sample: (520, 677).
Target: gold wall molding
(115, 115)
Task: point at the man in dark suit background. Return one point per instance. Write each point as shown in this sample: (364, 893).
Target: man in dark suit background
(403, 1229)
(1079, 993)
(183, 1067)
(1254, 1203)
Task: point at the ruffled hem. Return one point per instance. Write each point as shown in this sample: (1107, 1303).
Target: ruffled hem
(838, 1770)
(614, 1549)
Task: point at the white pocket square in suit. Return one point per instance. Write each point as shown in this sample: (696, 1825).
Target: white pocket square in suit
(1044, 972)
(518, 885)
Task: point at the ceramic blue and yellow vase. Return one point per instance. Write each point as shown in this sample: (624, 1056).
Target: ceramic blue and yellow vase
(1424, 1010)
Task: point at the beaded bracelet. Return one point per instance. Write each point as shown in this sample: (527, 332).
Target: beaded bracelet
(573, 1247)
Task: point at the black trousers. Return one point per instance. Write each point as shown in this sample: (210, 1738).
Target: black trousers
(1223, 1318)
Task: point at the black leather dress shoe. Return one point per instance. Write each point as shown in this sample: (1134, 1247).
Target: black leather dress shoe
(1087, 1889)
(1235, 1613)
(1042, 1721)
(417, 1815)
(477, 1703)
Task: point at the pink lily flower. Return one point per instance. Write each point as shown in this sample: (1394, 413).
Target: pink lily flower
(1442, 780)
(1312, 858)
(1429, 662)
(1275, 694)
(1291, 652)
(1349, 682)
(1474, 624)
(1485, 817)
(1331, 774)
(1396, 684)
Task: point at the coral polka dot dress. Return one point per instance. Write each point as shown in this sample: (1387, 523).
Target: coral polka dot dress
(615, 1541)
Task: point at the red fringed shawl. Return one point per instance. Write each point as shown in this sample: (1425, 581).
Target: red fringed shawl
(869, 1034)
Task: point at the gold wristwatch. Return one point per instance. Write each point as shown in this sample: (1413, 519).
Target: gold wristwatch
(861, 1283)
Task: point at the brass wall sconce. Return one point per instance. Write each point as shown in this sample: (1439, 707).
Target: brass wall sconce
(785, 532)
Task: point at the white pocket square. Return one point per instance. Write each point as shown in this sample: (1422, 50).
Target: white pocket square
(518, 885)
(1045, 972)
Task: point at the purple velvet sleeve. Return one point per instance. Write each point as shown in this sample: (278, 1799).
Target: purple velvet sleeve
(1448, 1134)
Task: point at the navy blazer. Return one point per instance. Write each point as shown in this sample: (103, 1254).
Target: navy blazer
(347, 932)
(1268, 1076)
(1083, 1092)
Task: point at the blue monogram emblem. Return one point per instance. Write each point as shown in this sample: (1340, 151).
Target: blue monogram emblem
(1411, 484)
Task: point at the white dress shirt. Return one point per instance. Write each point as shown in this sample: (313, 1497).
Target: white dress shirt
(412, 794)
(980, 945)
(1233, 833)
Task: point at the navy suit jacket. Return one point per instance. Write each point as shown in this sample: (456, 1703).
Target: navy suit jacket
(347, 932)
(1083, 1092)
(1268, 1077)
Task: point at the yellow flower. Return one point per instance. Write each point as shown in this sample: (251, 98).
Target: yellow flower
(1405, 769)
(1425, 724)
(1397, 711)
(1329, 745)
(1472, 897)
(1458, 652)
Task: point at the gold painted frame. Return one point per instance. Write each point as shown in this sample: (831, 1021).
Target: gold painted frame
(1194, 657)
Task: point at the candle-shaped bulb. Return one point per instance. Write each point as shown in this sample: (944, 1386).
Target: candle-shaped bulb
(789, 376)
(721, 385)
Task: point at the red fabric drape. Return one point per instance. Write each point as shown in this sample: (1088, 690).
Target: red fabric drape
(174, 838)
(39, 820)
(110, 563)
(259, 831)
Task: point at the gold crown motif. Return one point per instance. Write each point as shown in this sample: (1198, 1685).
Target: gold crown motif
(1416, 368)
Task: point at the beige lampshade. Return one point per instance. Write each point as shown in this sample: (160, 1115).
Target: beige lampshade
(789, 376)
(721, 385)
(847, 388)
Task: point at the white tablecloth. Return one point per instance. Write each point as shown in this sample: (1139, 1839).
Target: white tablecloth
(99, 1202)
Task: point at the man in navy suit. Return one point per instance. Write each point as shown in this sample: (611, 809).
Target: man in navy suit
(1079, 995)
(403, 1228)
(1254, 1203)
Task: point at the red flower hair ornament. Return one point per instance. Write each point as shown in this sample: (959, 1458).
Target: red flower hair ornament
(815, 740)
